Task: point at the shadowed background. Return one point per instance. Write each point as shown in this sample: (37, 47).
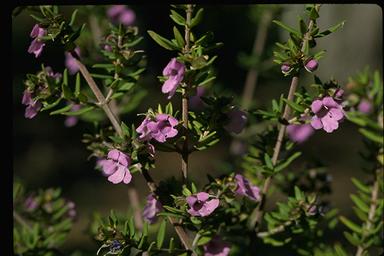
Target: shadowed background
(47, 154)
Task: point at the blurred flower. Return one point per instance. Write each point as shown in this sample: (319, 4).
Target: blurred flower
(217, 247)
(152, 207)
(57, 76)
(200, 205)
(195, 102)
(285, 68)
(33, 106)
(71, 209)
(245, 188)
(365, 106)
(116, 167)
(299, 132)
(72, 120)
(328, 113)
(30, 203)
(159, 129)
(311, 65)
(121, 14)
(71, 63)
(107, 48)
(175, 72)
(115, 246)
(37, 45)
(237, 120)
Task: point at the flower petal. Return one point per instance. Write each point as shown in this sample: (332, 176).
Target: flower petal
(336, 113)
(128, 177)
(118, 176)
(202, 196)
(330, 124)
(316, 123)
(209, 207)
(316, 106)
(330, 102)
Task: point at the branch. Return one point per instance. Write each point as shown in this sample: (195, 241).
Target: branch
(150, 182)
(258, 213)
(371, 214)
(185, 151)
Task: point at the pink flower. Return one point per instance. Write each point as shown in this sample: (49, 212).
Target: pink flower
(200, 205)
(328, 114)
(237, 120)
(245, 188)
(57, 76)
(37, 45)
(71, 63)
(365, 106)
(217, 247)
(33, 106)
(72, 120)
(116, 167)
(299, 132)
(311, 65)
(121, 14)
(151, 209)
(159, 129)
(30, 203)
(175, 72)
(195, 102)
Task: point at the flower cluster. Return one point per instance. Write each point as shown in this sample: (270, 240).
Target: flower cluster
(159, 128)
(328, 114)
(116, 167)
(37, 45)
(121, 14)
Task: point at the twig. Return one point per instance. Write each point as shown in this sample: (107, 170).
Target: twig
(185, 151)
(135, 202)
(371, 214)
(275, 230)
(259, 211)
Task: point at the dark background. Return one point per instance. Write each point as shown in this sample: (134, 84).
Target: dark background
(47, 154)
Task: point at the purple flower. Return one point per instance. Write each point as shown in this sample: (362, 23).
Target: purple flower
(30, 203)
(71, 209)
(72, 120)
(217, 247)
(33, 106)
(245, 188)
(151, 209)
(365, 106)
(200, 205)
(328, 113)
(175, 72)
(121, 14)
(195, 101)
(311, 65)
(37, 45)
(57, 76)
(71, 63)
(299, 132)
(159, 129)
(237, 120)
(285, 68)
(116, 167)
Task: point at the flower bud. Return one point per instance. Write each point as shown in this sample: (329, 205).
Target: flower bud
(285, 68)
(311, 65)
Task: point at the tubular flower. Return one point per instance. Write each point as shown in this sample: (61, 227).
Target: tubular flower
(151, 209)
(159, 129)
(201, 205)
(245, 188)
(36, 46)
(116, 167)
(217, 247)
(328, 114)
(175, 72)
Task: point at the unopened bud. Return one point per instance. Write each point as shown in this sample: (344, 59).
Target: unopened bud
(311, 65)
(285, 68)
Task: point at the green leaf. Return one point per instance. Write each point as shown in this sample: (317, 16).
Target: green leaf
(62, 110)
(286, 27)
(371, 135)
(287, 162)
(40, 20)
(161, 234)
(352, 239)
(73, 17)
(80, 111)
(171, 244)
(359, 203)
(303, 26)
(330, 30)
(131, 227)
(294, 105)
(351, 225)
(102, 76)
(364, 188)
(78, 84)
(268, 161)
(313, 14)
(198, 17)
(163, 42)
(298, 194)
(204, 240)
(51, 105)
(177, 18)
(179, 38)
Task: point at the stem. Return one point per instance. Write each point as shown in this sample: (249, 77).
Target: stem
(150, 182)
(258, 47)
(99, 95)
(134, 200)
(185, 151)
(275, 230)
(20, 220)
(253, 74)
(258, 213)
(371, 214)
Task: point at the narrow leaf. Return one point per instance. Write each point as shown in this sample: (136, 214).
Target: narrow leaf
(161, 234)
